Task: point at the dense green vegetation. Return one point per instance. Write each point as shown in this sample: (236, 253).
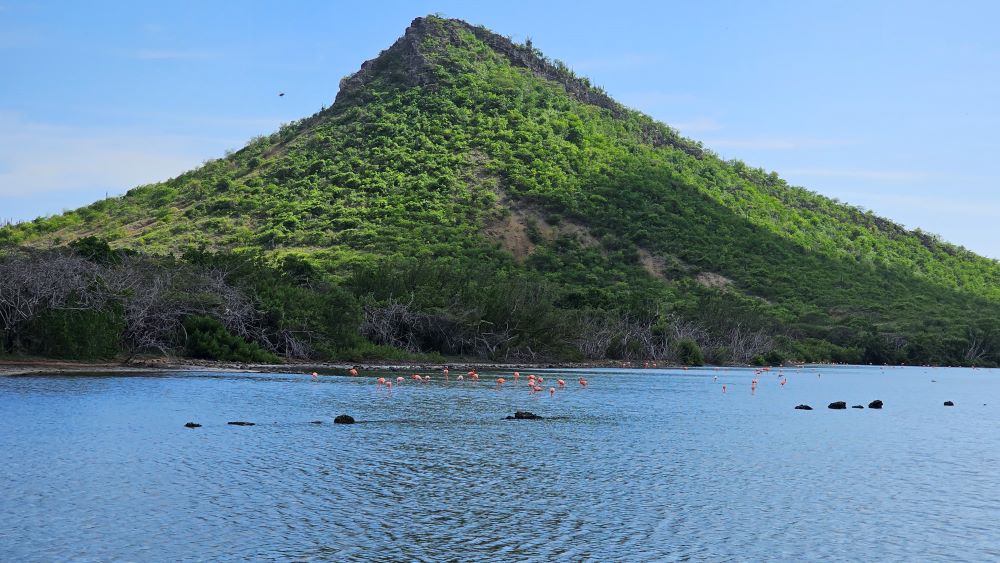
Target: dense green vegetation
(466, 196)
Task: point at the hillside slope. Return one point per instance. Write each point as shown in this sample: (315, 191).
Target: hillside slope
(457, 148)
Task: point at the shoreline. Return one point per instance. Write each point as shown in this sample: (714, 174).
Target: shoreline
(23, 367)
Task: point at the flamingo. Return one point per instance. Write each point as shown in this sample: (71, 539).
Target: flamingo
(445, 372)
(459, 378)
(552, 391)
(315, 376)
(723, 388)
(380, 381)
(500, 382)
(353, 372)
(416, 377)
(561, 383)
(583, 382)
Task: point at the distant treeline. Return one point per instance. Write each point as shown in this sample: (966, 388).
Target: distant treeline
(88, 301)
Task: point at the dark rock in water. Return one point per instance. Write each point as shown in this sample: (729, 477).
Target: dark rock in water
(858, 407)
(192, 425)
(876, 404)
(344, 419)
(949, 404)
(837, 405)
(240, 423)
(803, 408)
(316, 422)
(524, 415)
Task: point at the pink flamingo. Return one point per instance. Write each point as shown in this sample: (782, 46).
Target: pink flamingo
(517, 376)
(561, 383)
(500, 382)
(552, 391)
(583, 382)
(399, 380)
(315, 376)
(353, 372)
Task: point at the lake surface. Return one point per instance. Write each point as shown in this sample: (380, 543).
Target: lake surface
(642, 465)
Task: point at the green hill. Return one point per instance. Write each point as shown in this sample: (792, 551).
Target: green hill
(466, 195)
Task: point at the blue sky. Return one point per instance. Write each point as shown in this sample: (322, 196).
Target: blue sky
(891, 106)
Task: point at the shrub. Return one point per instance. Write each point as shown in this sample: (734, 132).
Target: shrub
(689, 353)
(209, 340)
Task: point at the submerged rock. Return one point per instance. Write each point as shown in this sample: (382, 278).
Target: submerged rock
(240, 423)
(858, 407)
(876, 404)
(344, 419)
(837, 405)
(192, 425)
(949, 404)
(524, 415)
(803, 408)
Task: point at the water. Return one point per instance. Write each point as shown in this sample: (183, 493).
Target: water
(641, 465)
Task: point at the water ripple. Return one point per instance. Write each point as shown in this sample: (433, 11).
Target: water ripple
(652, 465)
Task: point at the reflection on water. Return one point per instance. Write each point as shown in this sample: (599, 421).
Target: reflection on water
(641, 465)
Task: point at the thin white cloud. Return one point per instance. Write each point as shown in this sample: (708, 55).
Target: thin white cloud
(174, 55)
(774, 143)
(38, 159)
(18, 39)
(943, 206)
(699, 125)
(619, 61)
(648, 101)
(899, 175)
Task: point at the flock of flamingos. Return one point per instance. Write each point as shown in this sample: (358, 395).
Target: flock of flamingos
(534, 381)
